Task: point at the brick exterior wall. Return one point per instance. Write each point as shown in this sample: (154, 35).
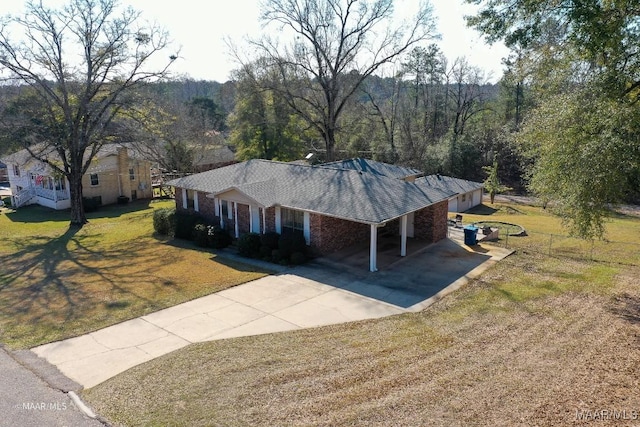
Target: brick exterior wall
(430, 223)
(331, 234)
(207, 208)
(270, 218)
(243, 219)
(178, 199)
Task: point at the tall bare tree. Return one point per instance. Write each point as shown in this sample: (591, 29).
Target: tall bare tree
(336, 45)
(81, 63)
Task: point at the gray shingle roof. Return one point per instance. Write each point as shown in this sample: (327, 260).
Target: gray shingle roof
(342, 193)
(372, 166)
(449, 184)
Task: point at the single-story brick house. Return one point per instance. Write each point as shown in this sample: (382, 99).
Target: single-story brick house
(467, 194)
(332, 205)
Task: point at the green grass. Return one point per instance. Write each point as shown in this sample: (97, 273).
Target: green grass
(57, 282)
(546, 235)
(517, 340)
(532, 339)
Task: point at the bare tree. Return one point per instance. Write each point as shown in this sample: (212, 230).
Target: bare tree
(81, 62)
(336, 45)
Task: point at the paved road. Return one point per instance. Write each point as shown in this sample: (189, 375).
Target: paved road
(26, 400)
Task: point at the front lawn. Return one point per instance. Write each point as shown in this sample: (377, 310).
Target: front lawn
(57, 282)
(537, 340)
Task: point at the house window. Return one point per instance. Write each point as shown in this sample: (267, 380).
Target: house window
(464, 197)
(292, 221)
(132, 174)
(94, 179)
(190, 197)
(16, 170)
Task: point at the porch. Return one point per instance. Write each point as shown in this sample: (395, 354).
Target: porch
(388, 253)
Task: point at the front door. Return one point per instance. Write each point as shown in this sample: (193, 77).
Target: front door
(255, 219)
(410, 217)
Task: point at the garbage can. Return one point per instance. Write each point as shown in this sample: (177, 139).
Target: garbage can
(470, 235)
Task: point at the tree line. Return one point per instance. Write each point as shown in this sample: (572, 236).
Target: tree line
(345, 78)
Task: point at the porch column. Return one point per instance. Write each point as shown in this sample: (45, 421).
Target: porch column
(373, 249)
(278, 220)
(251, 227)
(403, 235)
(235, 215)
(264, 221)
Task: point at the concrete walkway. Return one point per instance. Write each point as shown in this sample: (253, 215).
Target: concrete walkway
(308, 296)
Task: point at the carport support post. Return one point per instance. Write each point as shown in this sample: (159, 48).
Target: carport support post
(373, 251)
(403, 236)
(235, 219)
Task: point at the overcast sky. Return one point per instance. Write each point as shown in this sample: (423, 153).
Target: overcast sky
(200, 27)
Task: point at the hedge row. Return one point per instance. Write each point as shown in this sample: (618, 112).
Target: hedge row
(283, 249)
(168, 222)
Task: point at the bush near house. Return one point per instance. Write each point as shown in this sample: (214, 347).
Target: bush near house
(164, 221)
(249, 245)
(186, 226)
(286, 249)
(211, 236)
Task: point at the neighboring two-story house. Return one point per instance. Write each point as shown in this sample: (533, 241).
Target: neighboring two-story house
(115, 171)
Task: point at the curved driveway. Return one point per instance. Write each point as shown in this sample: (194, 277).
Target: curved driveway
(322, 293)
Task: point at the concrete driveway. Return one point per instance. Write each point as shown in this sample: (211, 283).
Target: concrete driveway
(322, 293)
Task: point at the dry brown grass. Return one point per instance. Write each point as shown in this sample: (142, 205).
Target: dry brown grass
(57, 282)
(532, 342)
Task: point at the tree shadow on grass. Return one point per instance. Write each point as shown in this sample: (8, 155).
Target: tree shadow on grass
(37, 213)
(46, 281)
(481, 210)
(627, 306)
(227, 257)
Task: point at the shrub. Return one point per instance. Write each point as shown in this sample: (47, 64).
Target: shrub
(7, 201)
(164, 221)
(270, 240)
(249, 245)
(290, 243)
(185, 224)
(201, 235)
(218, 237)
(298, 258)
(276, 256)
(265, 253)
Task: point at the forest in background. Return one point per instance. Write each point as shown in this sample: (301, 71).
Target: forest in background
(450, 121)
(345, 80)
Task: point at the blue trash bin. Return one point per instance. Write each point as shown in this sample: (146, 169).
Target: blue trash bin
(470, 235)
